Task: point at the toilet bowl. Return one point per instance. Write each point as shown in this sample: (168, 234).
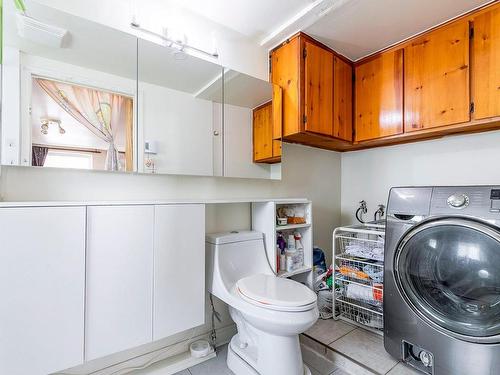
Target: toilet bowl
(270, 312)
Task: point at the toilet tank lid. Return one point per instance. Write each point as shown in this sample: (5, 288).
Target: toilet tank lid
(234, 236)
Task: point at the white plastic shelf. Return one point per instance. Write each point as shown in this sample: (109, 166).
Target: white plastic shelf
(295, 272)
(291, 226)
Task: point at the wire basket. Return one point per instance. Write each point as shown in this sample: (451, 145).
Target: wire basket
(358, 254)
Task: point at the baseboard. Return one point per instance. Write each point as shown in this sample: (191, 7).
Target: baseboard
(165, 361)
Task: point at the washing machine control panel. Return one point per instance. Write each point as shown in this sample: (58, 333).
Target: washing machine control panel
(458, 201)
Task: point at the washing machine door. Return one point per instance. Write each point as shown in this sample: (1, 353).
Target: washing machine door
(448, 271)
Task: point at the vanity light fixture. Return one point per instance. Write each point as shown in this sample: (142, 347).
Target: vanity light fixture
(180, 45)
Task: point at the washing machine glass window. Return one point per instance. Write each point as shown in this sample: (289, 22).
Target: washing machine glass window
(449, 271)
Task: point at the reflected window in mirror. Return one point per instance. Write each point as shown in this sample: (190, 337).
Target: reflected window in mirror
(74, 126)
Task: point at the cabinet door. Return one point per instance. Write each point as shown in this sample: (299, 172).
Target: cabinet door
(277, 120)
(42, 284)
(318, 93)
(285, 72)
(437, 78)
(263, 132)
(342, 99)
(486, 59)
(379, 97)
(179, 277)
(119, 278)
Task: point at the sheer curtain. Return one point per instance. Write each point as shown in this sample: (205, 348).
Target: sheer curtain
(100, 112)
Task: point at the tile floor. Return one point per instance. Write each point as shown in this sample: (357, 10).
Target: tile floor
(362, 351)
(329, 348)
(217, 366)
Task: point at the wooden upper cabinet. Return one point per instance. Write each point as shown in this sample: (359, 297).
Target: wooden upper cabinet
(267, 123)
(379, 97)
(342, 99)
(263, 132)
(285, 72)
(486, 64)
(437, 78)
(318, 95)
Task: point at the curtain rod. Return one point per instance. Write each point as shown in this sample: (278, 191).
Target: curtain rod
(138, 27)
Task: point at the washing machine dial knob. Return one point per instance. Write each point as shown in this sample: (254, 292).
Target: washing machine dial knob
(426, 358)
(458, 201)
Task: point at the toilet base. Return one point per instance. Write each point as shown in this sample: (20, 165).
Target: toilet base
(241, 367)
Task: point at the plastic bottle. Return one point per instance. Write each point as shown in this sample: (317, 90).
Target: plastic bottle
(282, 261)
(291, 255)
(300, 249)
(280, 241)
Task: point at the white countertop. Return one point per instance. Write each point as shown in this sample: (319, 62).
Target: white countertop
(149, 202)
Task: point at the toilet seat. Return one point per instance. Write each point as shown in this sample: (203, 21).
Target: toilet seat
(275, 293)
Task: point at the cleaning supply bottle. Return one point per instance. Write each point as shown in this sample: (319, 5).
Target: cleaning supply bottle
(282, 260)
(300, 249)
(280, 241)
(291, 260)
(280, 252)
(291, 242)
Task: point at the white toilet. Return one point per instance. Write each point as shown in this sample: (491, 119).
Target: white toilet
(270, 312)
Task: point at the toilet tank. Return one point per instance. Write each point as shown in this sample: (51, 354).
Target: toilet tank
(232, 256)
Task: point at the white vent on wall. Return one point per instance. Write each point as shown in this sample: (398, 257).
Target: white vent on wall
(41, 33)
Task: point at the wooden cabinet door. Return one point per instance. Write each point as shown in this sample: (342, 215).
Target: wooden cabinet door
(486, 64)
(263, 132)
(119, 300)
(318, 89)
(342, 99)
(285, 72)
(437, 78)
(277, 120)
(379, 97)
(179, 259)
(42, 284)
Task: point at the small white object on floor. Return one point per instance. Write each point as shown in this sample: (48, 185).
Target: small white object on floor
(200, 349)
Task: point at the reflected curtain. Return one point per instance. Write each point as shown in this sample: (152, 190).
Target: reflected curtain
(100, 112)
(38, 156)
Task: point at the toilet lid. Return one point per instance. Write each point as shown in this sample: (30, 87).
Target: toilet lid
(271, 291)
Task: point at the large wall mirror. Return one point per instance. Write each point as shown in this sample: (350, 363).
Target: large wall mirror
(79, 94)
(68, 92)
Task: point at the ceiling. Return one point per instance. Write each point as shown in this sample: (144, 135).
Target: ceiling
(354, 28)
(361, 27)
(253, 18)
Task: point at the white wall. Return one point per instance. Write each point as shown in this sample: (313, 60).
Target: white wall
(238, 144)
(181, 125)
(455, 160)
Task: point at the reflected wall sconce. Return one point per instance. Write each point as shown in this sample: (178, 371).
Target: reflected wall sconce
(44, 128)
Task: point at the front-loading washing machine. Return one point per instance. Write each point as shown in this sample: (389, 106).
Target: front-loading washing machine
(442, 279)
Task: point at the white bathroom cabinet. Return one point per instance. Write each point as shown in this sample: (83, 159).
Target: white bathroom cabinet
(179, 269)
(264, 220)
(82, 282)
(119, 278)
(42, 284)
